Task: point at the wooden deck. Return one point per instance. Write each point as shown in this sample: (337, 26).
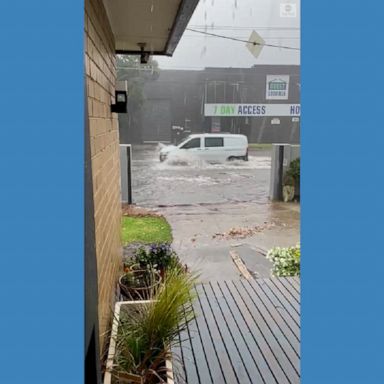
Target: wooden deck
(244, 332)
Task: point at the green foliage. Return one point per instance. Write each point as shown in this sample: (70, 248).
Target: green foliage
(136, 74)
(158, 256)
(259, 146)
(293, 171)
(129, 67)
(139, 278)
(145, 230)
(147, 333)
(286, 261)
(288, 180)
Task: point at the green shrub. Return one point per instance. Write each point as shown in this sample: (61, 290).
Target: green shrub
(289, 180)
(159, 256)
(293, 171)
(286, 261)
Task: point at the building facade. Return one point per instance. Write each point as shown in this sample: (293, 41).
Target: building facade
(100, 64)
(178, 97)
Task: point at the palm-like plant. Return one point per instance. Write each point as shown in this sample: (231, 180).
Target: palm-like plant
(147, 333)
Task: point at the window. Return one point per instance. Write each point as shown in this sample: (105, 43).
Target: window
(193, 143)
(214, 142)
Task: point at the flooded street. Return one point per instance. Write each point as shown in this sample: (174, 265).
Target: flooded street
(192, 182)
(203, 202)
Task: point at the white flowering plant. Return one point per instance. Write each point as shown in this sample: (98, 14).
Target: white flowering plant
(286, 261)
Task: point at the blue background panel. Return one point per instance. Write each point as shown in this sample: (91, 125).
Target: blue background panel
(342, 204)
(41, 168)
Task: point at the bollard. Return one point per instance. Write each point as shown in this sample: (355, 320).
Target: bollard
(282, 155)
(125, 172)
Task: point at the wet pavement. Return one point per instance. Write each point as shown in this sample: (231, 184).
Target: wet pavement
(202, 202)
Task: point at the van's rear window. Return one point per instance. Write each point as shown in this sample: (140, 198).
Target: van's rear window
(214, 142)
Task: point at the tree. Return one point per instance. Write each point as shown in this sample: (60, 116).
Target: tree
(137, 75)
(129, 67)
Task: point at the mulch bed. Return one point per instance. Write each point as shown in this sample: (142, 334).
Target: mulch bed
(135, 211)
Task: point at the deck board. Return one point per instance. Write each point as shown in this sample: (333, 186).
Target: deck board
(213, 362)
(286, 301)
(219, 343)
(278, 326)
(239, 330)
(279, 313)
(189, 362)
(238, 352)
(290, 288)
(295, 283)
(244, 332)
(269, 341)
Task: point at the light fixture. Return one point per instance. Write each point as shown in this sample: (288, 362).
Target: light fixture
(120, 105)
(144, 56)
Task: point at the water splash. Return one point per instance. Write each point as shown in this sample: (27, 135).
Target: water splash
(188, 161)
(199, 180)
(160, 146)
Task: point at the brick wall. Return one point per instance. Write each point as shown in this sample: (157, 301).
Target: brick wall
(104, 136)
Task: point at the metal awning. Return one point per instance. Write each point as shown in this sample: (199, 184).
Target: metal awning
(149, 26)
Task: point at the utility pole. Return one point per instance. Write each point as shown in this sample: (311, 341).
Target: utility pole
(233, 121)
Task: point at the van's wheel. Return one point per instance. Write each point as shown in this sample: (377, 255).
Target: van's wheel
(231, 158)
(245, 158)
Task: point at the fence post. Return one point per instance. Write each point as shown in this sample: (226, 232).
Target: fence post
(282, 155)
(126, 173)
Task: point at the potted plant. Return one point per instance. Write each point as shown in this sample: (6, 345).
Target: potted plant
(157, 256)
(291, 181)
(288, 188)
(139, 284)
(294, 167)
(144, 332)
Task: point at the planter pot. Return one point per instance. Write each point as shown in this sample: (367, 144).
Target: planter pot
(129, 378)
(150, 284)
(288, 193)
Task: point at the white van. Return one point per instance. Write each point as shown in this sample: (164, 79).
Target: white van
(211, 147)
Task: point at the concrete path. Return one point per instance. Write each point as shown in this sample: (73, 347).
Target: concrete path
(197, 239)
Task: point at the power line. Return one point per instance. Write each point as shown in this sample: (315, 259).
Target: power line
(244, 37)
(225, 71)
(150, 69)
(238, 28)
(241, 40)
(208, 68)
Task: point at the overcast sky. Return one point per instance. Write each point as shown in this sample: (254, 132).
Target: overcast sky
(236, 18)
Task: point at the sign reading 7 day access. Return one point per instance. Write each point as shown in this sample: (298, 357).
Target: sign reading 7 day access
(251, 110)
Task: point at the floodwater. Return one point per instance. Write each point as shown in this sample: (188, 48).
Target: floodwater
(202, 201)
(189, 181)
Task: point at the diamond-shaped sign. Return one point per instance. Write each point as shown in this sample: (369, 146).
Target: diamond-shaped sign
(255, 44)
